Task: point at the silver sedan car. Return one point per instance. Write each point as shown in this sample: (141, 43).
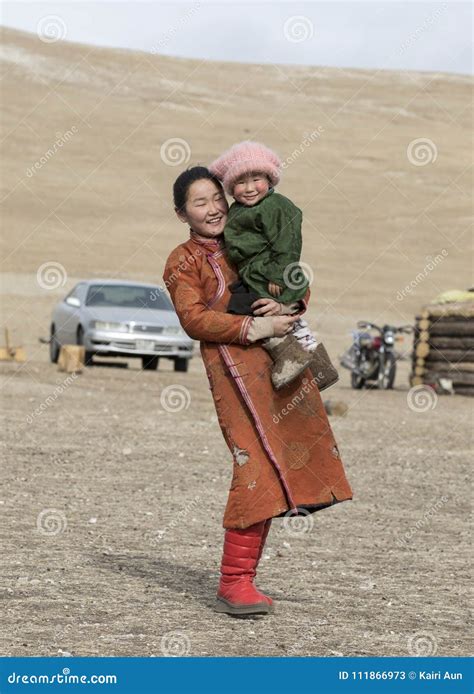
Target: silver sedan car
(117, 318)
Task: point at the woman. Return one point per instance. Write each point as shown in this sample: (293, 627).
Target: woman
(285, 458)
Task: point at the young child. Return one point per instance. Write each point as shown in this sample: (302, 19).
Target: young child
(263, 240)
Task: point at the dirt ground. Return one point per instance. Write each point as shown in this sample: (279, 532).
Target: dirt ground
(113, 495)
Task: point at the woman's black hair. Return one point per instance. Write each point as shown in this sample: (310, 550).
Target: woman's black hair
(184, 182)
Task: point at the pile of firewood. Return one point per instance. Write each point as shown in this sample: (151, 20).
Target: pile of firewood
(443, 352)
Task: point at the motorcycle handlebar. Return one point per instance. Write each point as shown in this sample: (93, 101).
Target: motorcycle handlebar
(367, 325)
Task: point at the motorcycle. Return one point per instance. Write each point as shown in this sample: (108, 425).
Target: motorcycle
(373, 357)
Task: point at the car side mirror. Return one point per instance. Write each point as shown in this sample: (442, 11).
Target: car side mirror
(73, 301)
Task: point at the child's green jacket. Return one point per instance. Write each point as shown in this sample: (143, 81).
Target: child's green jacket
(264, 243)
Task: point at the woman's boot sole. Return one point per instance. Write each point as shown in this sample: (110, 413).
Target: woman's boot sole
(227, 607)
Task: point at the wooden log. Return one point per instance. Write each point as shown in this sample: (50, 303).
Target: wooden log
(424, 324)
(71, 358)
(453, 310)
(451, 355)
(457, 377)
(442, 366)
(13, 354)
(422, 350)
(10, 353)
(464, 390)
(445, 342)
(453, 328)
(441, 345)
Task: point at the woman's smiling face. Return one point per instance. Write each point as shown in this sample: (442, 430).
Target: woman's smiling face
(206, 208)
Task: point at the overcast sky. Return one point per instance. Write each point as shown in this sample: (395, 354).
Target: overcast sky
(427, 36)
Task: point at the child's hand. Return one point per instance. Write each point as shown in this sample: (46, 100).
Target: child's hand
(274, 289)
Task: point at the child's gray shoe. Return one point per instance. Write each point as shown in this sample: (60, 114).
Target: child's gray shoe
(324, 373)
(290, 359)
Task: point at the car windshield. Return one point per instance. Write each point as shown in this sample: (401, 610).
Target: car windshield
(128, 296)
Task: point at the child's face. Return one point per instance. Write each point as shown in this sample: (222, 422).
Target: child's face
(251, 188)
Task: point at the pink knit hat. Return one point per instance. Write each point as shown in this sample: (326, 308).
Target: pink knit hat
(244, 158)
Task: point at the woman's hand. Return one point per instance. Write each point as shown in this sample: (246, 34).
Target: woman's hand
(269, 307)
(282, 325)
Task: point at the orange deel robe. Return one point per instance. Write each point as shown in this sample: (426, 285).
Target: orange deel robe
(285, 457)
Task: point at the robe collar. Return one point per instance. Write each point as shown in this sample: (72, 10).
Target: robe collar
(212, 245)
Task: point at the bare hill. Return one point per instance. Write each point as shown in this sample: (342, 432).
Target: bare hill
(88, 169)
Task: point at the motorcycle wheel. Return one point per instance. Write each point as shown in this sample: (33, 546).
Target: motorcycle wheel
(357, 382)
(388, 376)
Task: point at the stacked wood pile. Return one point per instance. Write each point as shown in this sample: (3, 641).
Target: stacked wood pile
(443, 352)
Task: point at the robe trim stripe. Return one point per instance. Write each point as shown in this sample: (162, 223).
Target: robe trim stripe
(220, 278)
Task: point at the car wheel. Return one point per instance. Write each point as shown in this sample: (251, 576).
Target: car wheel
(80, 341)
(150, 363)
(54, 346)
(181, 364)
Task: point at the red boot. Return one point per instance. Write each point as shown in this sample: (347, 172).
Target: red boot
(266, 530)
(237, 594)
